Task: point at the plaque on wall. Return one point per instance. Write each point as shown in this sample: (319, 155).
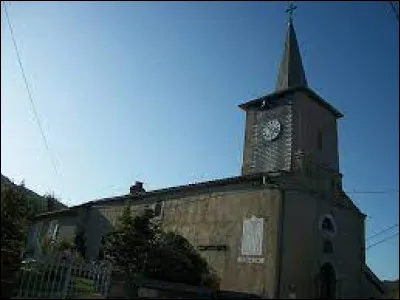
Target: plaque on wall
(252, 236)
(251, 260)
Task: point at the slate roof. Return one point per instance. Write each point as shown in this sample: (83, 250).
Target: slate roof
(374, 279)
(290, 91)
(291, 77)
(171, 190)
(271, 178)
(291, 72)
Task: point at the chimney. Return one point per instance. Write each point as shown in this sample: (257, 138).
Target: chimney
(137, 187)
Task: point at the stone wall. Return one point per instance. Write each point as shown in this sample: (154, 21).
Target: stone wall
(123, 288)
(310, 117)
(303, 244)
(215, 218)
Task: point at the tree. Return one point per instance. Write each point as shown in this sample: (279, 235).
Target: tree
(15, 215)
(139, 247)
(128, 245)
(16, 212)
(80, 241)
(18, 207)
(49, 202)
(176, 260)
(63, 245)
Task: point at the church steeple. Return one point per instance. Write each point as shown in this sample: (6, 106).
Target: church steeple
(291, 72)
(293, 125)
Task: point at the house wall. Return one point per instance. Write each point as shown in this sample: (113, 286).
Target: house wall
(370, 290)
(101, 219)
(95, 227)
(40, 228)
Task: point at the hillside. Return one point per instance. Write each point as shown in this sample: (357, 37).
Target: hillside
(44, 203)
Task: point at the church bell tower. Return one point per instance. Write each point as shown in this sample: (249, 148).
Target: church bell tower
(291, 125)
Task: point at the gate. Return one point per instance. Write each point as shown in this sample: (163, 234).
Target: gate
(61, 278)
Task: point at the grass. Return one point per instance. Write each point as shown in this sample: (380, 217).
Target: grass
(83, 285)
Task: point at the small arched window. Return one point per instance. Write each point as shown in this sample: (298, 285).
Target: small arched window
(327, 225)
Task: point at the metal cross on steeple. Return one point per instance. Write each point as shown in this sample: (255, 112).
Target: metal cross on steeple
(290, 11)
(291, 71)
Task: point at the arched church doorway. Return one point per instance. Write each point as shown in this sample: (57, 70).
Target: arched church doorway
(327, 282)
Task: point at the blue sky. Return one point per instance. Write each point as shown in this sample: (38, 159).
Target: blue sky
(149, 91)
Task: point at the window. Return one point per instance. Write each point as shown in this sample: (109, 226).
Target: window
(327, 225)
(319, 140)
(55, 232)
(52, 230)
(157, 209)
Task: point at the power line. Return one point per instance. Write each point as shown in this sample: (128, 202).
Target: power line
(394, 10)
(383, 231)
(28, 89)
(383, 240)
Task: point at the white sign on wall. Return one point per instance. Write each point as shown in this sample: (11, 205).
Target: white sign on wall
(252, 236)
(251, 260)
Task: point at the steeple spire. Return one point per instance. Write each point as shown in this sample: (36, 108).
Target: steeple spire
(291, 72)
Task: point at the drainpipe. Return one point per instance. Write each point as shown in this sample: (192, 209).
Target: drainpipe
(280, 246)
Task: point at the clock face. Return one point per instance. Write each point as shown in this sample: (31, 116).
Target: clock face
(271, 130)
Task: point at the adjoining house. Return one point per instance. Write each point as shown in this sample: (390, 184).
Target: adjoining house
(283, 228)
(392, 289)
(373, 286)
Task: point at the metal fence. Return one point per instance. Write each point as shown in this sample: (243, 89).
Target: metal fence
(62, 278)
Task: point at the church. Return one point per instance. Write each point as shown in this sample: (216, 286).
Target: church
(283, 228)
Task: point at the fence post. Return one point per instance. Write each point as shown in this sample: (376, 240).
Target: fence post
(108, 273)
(67, 280)
(62, 274)
(21, 283)
(58, 270)
(50, 272)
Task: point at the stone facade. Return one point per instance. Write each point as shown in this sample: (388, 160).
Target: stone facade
(211, 215)
(216, 218)
(309, 119)
(303, 244)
